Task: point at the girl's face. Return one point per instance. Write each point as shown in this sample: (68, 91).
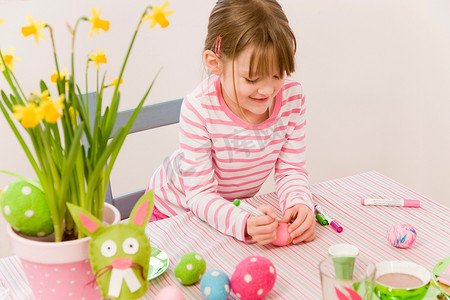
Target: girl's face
(255, 94)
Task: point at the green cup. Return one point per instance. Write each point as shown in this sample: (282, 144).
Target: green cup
(343, 256)
(336, 288)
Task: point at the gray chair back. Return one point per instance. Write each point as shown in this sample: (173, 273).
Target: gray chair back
(151, 116)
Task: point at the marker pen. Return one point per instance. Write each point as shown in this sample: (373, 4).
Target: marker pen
(319, 209)
(321, 219)
(391, 202)
(247, 207)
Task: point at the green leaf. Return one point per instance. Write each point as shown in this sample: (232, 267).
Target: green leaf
(33, 182)
(69, 162)
(44, 87)
(6, 100)
(21, 140)
(128, 127)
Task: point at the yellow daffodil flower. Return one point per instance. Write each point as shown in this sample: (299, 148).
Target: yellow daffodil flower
(97, 23)
(2, 21)
(114, 81)
(51, 110)
(45, 96)
(62, 74)
(9, 58)
(33, 28)
(29, 115)
(72, 114)
(158, 16)
(99, 58)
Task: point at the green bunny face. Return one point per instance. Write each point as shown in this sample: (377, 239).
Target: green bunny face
(119, 253)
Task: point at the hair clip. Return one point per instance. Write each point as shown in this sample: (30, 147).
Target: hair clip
(217, 46)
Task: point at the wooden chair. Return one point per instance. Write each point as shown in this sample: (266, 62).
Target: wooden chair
(151, 116)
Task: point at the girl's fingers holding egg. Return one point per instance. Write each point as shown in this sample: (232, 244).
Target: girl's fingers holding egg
(307, 236)
(264, 239)
(303, 229)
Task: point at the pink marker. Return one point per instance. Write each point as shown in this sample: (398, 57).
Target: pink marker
(391, 202)
(319, 209)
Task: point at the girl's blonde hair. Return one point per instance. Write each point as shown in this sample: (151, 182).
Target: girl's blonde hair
(258, 23)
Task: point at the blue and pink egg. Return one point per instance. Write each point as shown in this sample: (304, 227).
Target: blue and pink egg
(401, 235)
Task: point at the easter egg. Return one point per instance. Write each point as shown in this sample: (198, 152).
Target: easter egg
(25, 208)
(401, 235)
(170, 293)
(253, 278)
(283, 236)
(215, 285)
(190, 268)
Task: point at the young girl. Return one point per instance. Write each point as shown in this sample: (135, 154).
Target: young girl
(239, 124)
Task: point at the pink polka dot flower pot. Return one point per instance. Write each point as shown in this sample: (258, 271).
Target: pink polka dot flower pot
(59, 270)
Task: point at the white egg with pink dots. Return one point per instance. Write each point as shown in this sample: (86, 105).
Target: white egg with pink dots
(253, 278)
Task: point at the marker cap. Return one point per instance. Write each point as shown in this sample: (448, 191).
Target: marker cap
(336, 226)
(411, 203)
(321, 219)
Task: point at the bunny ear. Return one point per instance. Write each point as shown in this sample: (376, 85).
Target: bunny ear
(142, 210)
(85, 221)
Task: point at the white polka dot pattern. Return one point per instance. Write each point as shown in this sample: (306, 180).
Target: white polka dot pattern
(26, 190)
(207, 291)
(7, 210)
(62, 280)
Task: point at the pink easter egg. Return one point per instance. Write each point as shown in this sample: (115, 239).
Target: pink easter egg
(253, 278)
(170, 293)
(283, 236)
(401, 235)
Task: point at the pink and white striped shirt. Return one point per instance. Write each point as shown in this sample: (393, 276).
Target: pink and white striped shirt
(222, 157)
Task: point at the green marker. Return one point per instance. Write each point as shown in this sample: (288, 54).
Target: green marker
(321, 219)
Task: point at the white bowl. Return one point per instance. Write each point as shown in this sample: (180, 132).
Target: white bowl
(391, 291)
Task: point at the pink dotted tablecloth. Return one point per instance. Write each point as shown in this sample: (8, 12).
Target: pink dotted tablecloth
(296, 265)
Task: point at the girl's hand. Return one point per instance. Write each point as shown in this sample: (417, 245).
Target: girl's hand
(303, 224)
(263, 229)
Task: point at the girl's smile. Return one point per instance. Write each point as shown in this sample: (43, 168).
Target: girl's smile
(250, 98)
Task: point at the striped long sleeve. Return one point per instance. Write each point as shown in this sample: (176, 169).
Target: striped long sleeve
(291, 177)
(221, 157)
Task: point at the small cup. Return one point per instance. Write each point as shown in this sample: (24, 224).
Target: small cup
(343, 259)
(359, 286)
(401, 280)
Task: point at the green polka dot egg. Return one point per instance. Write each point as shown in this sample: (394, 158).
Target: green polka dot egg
(190, 268)
(25, 208)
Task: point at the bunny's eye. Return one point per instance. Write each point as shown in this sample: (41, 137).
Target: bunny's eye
(109, 248)
(130, 246)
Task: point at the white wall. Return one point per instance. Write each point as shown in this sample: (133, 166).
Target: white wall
(375, 73)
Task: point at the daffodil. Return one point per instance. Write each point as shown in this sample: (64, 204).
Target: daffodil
(29, 115)
(115, 81)
(99, 58)
(2, 21)
(33, 28)
(55, 126)
(97, 23)
(9, 58)
(51, 110)
(62, 74)
(45, 96)
(158, 15)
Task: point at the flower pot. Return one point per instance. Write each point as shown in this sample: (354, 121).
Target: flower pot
(59, 270)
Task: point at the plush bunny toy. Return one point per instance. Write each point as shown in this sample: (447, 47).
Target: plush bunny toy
(119, 253)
